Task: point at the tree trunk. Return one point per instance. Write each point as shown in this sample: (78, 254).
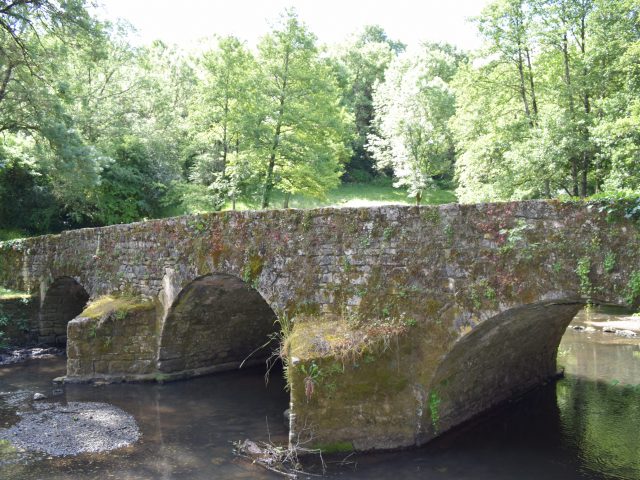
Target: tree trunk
(567, 79)
(586, 161)
(586, 155)
(534, 101)
(268, 184)
(523, 88)
(225, 141)
(418, 198)
(5, 81)
(285, 203)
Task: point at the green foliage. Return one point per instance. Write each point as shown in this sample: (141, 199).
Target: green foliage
(535, 118)
(360, 63)
(481, 291)
(448, 231)
(609, 262)
(252, 269)
(410, 322)
(434, 408)
(514, 236)
(96, 131)
(17, 322)
(617, 205)
(633, 289)
(412, 111)
(583, 269)
(300, 125)
(27, 203)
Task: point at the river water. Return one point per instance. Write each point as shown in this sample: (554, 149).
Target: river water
(585, 426)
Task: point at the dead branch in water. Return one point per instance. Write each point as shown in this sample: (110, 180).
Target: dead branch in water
(281, 460)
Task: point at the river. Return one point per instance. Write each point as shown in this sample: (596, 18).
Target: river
(584, 426)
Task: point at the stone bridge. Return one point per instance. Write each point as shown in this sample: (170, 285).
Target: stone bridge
(394, 323)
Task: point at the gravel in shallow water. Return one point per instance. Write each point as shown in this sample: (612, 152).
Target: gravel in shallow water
(10, 357)
(71, 429)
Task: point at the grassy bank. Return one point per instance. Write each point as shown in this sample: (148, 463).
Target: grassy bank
(353, 195)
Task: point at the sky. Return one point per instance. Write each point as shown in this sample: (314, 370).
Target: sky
(184, 22)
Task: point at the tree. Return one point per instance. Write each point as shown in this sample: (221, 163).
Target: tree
(35, 39)
(536, 114)
(300, 128)
(220, 119)
(413, 107)
(361, 62)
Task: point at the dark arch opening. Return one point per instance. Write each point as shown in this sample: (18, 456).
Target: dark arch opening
(216, 323)
(65, 299)
(502, 358)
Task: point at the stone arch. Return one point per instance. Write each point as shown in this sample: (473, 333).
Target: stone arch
(216, 322)
(503, 357)
(64, 300)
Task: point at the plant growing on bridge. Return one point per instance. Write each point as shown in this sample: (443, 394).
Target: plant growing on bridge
(434, 408)
(252, 269)
(513, 236)
(312, 376)
(633, 290)
(609, 262)
(583, 270)
(448, 231)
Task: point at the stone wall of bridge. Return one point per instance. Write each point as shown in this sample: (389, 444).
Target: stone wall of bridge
(401, 322)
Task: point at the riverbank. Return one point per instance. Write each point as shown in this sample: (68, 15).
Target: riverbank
(12, 356)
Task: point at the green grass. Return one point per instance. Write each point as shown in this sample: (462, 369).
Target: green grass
(11, 234)
(6, 294)
(353, 195)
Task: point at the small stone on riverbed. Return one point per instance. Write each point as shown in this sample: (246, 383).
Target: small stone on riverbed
(582, 328)
(71, 429)
(626, 333)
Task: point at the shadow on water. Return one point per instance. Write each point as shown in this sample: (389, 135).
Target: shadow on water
(187, 427)
(584, 426)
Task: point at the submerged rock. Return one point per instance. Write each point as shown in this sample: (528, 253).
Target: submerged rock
(71, 429)
(582, 328)
(626, 333)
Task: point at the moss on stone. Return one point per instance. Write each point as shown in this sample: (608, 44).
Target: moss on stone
(118, 304)
(335, 447)
(252, 268)
(314, 338)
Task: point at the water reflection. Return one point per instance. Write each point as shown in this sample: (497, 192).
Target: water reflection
(586, 426)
